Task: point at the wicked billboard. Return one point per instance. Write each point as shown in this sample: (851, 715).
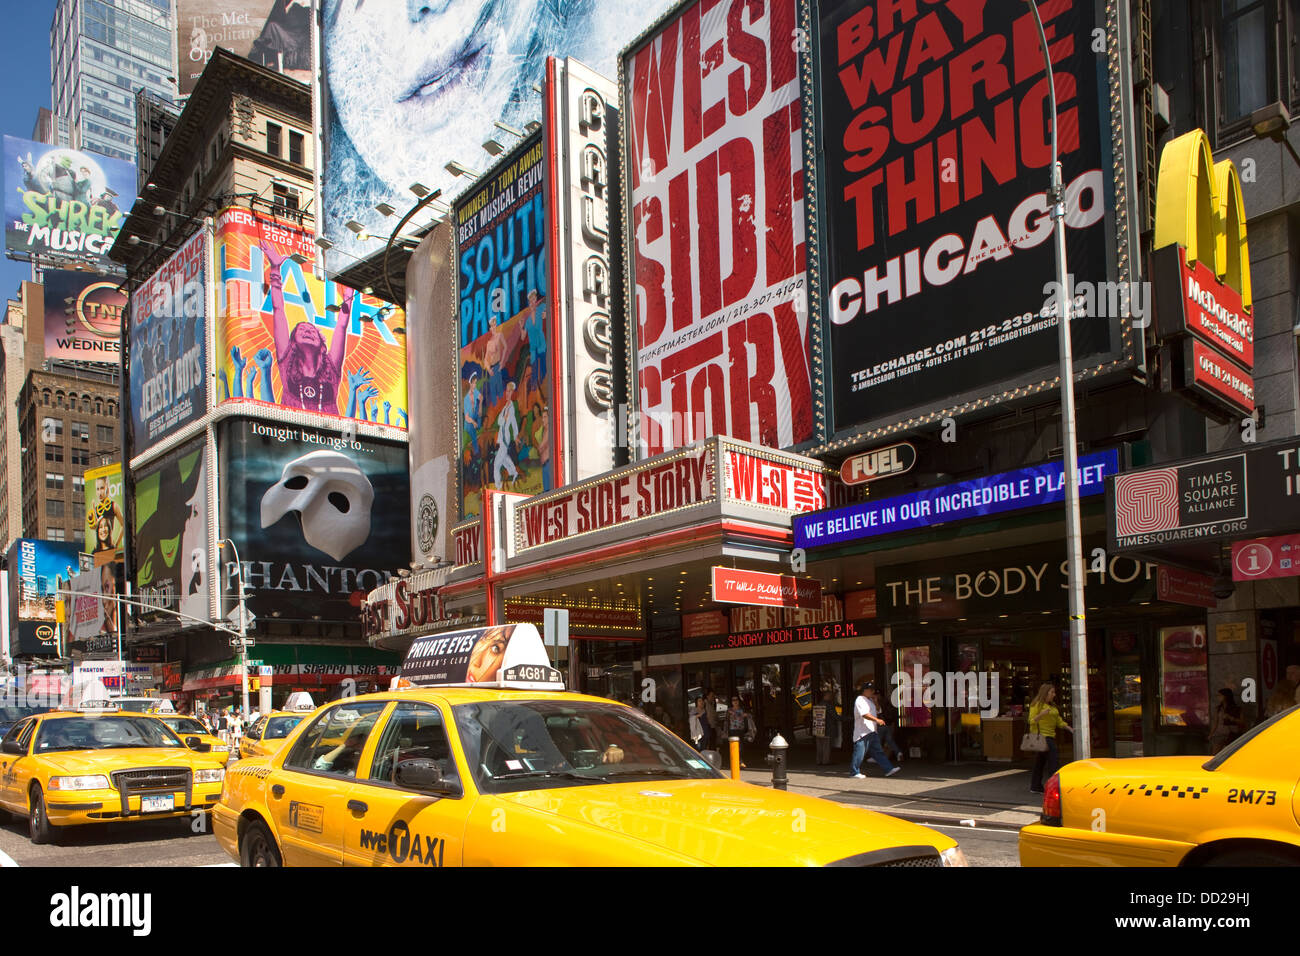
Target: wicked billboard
(318, 519)
(171, 537)
(935, 227)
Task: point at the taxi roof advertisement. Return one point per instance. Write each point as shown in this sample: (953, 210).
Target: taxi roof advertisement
(476, 656)
(936, 238)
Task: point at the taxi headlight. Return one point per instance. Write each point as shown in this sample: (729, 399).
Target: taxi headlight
(220, 749)
(953, 856)
(215, 775)
(90, 781)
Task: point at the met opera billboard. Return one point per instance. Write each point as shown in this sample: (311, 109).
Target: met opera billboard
(273, 33)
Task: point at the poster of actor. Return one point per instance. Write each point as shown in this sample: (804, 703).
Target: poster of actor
(286, 338)
(104, 527)
(319, 519)
(506, 358)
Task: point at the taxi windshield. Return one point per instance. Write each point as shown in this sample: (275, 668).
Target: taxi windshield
(103, 733)
(184, 725)
(531, 744)
(277, 728)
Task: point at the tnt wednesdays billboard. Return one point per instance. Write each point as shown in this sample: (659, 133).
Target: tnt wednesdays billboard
(83, 317)
(714, 170)
(936, 239)
(168, 333)
(63, 203)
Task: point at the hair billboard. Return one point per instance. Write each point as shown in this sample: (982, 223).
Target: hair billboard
(286, 338)
(936, 238)
(714, 173)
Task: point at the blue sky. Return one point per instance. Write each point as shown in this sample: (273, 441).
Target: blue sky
(25, 43)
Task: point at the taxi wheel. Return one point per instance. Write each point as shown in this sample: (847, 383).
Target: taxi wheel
(1251, 857)
(38, 821)
(258, 847)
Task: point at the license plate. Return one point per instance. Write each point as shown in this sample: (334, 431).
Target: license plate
(158, 804)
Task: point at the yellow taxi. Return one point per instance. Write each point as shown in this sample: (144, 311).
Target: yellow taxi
(499, 765)
(1240, 807)
(187, 727)
(269, 732)
(101, 765)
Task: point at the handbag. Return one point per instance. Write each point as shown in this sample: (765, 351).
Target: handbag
(1033, 742)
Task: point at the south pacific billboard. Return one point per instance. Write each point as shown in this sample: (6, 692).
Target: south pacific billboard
(170, 543)
(934, 133)
(319, 519)
(64, 203)
(273, 33)
(168, 315)
(83, 317)
(507, 358)
(451, 70)
(286, 338)
(714, 170)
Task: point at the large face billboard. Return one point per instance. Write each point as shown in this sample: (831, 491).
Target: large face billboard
(451, 70)
(168, 390)
(319, 520)
(104, 527)
(712, 127)
(83, 317)
(273, 33)
(286, 338)
(505, 320)
(62, 202)
(171, 535)
(37, 571)
(935, 226)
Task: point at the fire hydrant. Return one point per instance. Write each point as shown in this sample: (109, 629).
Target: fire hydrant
(776, 758)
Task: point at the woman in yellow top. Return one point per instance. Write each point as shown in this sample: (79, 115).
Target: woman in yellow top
(1044, 719)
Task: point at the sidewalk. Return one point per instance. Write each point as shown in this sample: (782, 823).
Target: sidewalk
(989, 794)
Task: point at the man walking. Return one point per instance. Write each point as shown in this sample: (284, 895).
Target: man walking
(866, 739)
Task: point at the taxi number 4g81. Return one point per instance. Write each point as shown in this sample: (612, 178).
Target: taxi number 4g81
(1267, 798)
(403, 846)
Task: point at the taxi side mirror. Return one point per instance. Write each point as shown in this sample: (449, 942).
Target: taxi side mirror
(425, 776)
(194, 743)
(12, 747)
(712, 758)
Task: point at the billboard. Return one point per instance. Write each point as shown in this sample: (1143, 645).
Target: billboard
(284, 337)
(274, 33)
(450, 71)
(168, 313)
(319, 519)
(431, 377)
(105, 526)
(37, 571)
(83, 317)
(936, 238)
(714, 172)
(62, 202)
(170, 544)
(505, 333)
(92, 611)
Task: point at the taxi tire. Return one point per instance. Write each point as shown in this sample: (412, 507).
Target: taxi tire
(1261, 856)
(39, 827)
(257, 847)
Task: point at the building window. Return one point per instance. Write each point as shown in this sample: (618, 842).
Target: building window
(273, 139)
(284, 197)
(104, 433)
(78, 484)
(53, 481)
(54, 507)
(1245, 71)
(80, 430)
(80, 456)
(54, 534)
(53, 453)
(295, 147)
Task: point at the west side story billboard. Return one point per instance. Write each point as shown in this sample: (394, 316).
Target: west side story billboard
(713, 154)
(936, 237)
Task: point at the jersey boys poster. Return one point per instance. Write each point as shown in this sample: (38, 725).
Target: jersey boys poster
(715, 174)
(168, 390)
(286, 338)
(507, 363)
(937, 240)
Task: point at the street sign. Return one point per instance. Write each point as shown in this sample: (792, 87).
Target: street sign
(249, 642)
(556, 627)
(253, 663)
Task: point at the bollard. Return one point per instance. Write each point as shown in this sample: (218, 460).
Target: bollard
(734, 747)
(776, 758)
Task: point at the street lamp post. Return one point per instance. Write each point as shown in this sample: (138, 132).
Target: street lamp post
(1074, 541)
(243, 625)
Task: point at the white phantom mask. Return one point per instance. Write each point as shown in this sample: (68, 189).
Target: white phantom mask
(332, 497)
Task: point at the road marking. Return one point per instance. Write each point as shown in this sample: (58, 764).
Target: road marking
(208, 866)
(954, 826)
(6, 860)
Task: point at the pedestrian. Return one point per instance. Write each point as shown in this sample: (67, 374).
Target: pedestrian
(1227, 725)
(888, 742)
(1045, 719)
(740, 723)
(866, 736)
(714, 724)
(697, 723)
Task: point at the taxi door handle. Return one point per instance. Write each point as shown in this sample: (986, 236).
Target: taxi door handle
(356, 806)
(277, 791)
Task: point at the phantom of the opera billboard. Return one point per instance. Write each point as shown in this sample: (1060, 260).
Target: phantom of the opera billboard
(451, 70)
(64, 203)
(319, 519)
(83, 317)
(713, 160)
(938, 266)
(285, 338)
(273, 33)
(168, 314)
(507, 362)
(170, 543)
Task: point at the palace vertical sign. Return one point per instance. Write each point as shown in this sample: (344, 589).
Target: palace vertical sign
(714, 170)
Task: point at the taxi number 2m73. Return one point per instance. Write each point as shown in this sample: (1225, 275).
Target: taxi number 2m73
(403, 846)
(1266, 798)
